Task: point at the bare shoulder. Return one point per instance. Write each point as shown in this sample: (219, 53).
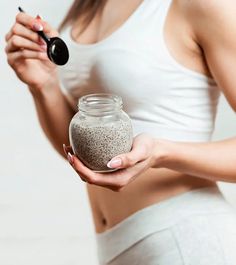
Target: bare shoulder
(213, 24)
(214, 17)
(210, 8)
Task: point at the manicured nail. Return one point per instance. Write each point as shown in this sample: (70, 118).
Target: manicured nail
(70, 158)
(37, 27)
(114, 163)
(64, 148)
(38, 17)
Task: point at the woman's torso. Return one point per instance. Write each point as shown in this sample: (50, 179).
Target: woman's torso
(184, 104)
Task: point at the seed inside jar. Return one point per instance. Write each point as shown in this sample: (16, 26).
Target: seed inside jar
(95, 145)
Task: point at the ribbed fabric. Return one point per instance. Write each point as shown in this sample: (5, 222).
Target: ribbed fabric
(161, 96)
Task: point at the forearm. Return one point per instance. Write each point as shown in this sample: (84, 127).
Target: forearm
(215, 160)
(54, 115)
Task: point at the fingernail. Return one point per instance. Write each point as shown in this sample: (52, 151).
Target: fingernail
(64, 148)
(114, 163)
(37, 27)
(70, 158)
(38, 17)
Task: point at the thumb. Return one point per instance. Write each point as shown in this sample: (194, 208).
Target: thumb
(136, 155)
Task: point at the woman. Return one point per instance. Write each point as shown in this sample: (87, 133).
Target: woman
(168, 60)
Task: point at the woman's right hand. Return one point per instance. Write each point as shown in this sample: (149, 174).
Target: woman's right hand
(27, 52)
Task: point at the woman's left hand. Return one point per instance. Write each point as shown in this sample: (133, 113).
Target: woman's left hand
(143, 155)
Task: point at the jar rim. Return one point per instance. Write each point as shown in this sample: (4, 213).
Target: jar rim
(100, 103)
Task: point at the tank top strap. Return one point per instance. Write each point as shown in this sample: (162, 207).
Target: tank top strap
(156, 12)
(151, 15)
(162, 13)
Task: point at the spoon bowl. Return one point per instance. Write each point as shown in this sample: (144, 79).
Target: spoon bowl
(57, 50)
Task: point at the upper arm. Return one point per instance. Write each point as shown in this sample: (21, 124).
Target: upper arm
(214, 24)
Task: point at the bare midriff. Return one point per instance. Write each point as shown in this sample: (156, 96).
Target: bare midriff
(155, 185)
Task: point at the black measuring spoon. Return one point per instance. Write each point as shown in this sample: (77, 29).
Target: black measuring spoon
(57, 50)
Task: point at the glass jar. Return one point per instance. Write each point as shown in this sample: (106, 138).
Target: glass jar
(100, 130)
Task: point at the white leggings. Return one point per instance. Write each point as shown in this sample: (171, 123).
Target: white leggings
(195, 228)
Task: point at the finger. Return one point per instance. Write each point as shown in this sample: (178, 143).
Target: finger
(89, 175)
(26, 54)
(8, 35)
(40, 25)
(114, 180)
(120, 179)
(24, 32)
(137, 154)
(141, 148)
(35, 24)
(51, 32)
(25, 19)
(82, 177)
(16, 42)
(110, 187)
(67, 149)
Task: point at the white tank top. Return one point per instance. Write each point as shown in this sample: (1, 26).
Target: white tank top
(162, 97)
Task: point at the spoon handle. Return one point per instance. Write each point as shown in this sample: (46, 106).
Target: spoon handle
(43, 36)
(40, 33)
(21, 10)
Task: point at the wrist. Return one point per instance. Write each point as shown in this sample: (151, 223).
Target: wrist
(41, 90)
(43, 85)
(166, 153)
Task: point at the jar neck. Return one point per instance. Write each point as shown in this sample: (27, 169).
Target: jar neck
(100, 104)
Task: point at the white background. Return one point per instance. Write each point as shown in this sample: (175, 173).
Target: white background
(44, 212)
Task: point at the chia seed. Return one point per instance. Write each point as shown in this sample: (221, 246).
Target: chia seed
(95, 145)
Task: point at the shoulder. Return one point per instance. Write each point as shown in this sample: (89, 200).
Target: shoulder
(209, 7)
(213, 24)
(211, 16)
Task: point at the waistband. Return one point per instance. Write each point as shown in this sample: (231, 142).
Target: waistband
(158, 217)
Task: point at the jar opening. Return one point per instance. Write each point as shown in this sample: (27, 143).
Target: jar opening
(100, 104)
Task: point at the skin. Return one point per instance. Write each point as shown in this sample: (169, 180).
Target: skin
(155, 169)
